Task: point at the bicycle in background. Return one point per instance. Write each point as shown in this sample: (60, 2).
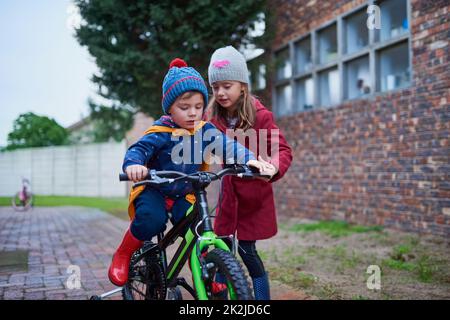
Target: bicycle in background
(23, 200)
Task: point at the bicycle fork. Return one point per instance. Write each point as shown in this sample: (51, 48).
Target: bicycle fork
(199, 267)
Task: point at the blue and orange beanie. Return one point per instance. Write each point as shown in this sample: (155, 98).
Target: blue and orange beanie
(180, 79)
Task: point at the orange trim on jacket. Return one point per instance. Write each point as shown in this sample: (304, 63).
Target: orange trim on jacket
(135, 192)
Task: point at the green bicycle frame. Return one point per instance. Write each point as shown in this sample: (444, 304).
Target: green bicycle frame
(194, 241)
(207, 239)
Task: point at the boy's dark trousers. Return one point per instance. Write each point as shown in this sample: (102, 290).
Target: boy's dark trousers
(151, 213)
(150, 219)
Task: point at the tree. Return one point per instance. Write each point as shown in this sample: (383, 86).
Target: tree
(31, 130)
(110, 122)
(134, 41)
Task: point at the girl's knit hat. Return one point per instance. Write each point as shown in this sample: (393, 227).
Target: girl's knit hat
(227, 64)
(180, 79)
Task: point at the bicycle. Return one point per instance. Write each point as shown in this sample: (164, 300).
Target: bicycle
(23, 200)
(151, 277)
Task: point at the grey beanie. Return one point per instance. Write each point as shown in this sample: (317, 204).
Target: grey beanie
(227, 64)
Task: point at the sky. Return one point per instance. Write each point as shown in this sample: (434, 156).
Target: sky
(43, 69)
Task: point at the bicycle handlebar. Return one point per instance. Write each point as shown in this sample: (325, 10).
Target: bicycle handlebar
(163, 177)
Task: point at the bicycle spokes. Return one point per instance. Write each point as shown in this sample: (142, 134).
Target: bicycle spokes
(147, 281)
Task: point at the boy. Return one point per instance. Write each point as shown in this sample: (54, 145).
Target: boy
(184, 98)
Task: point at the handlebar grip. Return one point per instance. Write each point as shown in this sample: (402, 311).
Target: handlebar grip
(255, 172)
(123, 177)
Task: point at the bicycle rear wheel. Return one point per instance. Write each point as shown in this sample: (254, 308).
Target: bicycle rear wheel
(225, 263)
(147, 281)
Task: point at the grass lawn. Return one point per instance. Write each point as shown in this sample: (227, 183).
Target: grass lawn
(334, 229)
(330, 260)
(115, 206)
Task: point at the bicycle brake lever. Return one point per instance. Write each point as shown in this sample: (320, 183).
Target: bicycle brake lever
(157, 179)
(251, 173)
(154, 178)
(247, 174)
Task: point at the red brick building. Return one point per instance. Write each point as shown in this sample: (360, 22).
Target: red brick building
(367, 111)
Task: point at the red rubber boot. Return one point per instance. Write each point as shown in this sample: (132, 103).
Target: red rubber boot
(119, 268)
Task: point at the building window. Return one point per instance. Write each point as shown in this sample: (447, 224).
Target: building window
(304, 94)
(328, 44)
(329, 87)
(357, 78)
(344, 60)
(394, 19)
(303, 56)
(393, 67)
(356, 36)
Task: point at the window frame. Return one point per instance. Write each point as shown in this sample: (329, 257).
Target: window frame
(297, 107)
(372, 50)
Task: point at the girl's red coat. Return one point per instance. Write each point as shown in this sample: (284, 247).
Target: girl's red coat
(248, 206)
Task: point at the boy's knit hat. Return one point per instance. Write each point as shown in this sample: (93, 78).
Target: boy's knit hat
(180, 79)
(227, 64)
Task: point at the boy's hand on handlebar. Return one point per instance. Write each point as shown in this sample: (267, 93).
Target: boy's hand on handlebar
(136, 172)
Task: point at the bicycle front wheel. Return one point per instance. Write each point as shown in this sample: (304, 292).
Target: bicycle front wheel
(224, 263)
(20, 204)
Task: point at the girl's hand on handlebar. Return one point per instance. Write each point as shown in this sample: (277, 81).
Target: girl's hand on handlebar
(256, 164)
(136, 172)
(264, 167)
(268, 168)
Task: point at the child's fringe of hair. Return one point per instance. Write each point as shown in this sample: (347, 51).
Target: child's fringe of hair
(246, 111)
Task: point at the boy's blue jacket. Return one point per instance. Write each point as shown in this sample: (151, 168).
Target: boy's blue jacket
(161, 150)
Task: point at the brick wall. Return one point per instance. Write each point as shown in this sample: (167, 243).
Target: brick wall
(381, 160)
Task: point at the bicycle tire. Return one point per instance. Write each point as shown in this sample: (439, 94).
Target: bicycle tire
(174, 294)
(152, 280)
(28, 204)
(225, 263)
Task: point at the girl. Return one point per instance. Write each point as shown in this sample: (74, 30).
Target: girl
(248, 207)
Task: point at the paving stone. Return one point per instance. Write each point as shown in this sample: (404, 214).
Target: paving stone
(60, 237)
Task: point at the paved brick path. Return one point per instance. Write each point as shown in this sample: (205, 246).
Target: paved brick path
(59, 237)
